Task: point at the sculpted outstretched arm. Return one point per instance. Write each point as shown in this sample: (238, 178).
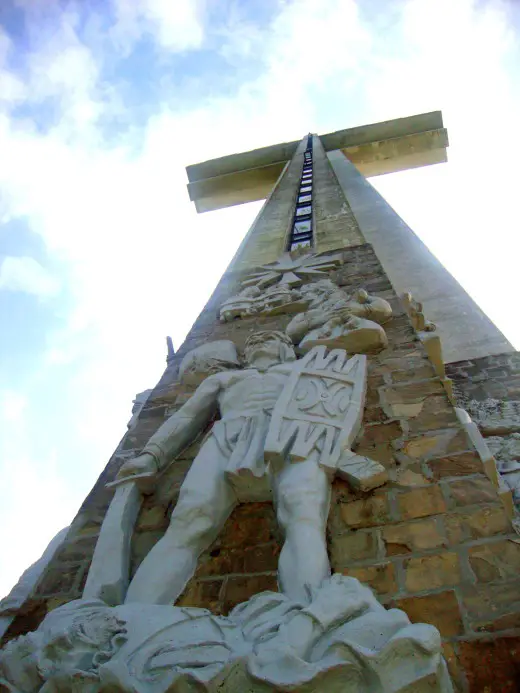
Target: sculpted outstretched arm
(184, 425)
(176, 432)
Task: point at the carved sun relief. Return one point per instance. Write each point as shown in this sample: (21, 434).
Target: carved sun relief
(274, 288)
(324, 313)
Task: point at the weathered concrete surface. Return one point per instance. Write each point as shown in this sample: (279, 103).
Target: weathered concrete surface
(267, 237)
(489, 389)
(399, 154)
(234, 188)
(392, 145)
(466, 332)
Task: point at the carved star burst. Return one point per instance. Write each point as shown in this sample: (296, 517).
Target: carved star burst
(292, 271)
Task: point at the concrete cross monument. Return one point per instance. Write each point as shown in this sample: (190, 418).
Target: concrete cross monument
(309, 391)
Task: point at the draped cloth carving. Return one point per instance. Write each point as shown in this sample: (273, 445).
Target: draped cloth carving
(343, 640)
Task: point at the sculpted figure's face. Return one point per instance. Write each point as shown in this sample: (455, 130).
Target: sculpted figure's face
(266, 350)
(269, 348)
(19, 664)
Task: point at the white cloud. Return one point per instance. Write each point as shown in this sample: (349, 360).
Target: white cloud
(12, 405)
(176, 26)
(27, 523)
(27, 275)
(12, 90)
(470, 214)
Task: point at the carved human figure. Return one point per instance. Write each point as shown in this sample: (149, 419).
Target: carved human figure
(329, 314)
(240, 305)
(347, 331)
(231, 468)
(252, 300)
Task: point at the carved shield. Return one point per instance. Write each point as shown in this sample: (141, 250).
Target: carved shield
(319, 411)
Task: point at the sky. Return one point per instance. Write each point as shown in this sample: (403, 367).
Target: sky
(104, 103)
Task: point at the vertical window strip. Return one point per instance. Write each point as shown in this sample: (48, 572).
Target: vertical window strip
(301, 229)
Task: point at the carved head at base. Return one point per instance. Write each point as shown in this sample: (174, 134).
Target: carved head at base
(341, 639)
(70, 645)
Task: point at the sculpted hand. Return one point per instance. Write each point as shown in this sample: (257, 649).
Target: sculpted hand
(142, 464)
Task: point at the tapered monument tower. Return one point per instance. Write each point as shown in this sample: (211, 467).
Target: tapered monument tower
(319, 494)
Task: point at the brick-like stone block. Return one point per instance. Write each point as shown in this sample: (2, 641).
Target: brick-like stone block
(491, 666)
(28, 618)
(381, 433)
(423, 371)
(499, 560)
(473, 491)
(432, 572)
(462, 464)
(167, 491)
(413, 391)
(380, 577)
(421, 502)
(382, 453)
(153, 518)
(251, 523)
(218, 562)
(439, 444)
(410, 477)
(142, 544)
(413, 536)
(138, 436)
(354, 546)
(436, 412)
(492, 607)
(205, 594)
(62, 578)
(366, 512)
(452, 662)
(440, 610)
(262, 558)
(374, 415)
(77, 550)
(476, 524)
(240, 589)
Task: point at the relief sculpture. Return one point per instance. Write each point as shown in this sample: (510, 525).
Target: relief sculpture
(287, 414)
(286, 429)
(338, 320)
(254, 453)
(324, 313)
(273, 289)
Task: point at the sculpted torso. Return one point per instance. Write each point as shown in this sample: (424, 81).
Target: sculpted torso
(250, 390)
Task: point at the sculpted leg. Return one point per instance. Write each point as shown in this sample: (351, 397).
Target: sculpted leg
(302, 497)
(205, 502)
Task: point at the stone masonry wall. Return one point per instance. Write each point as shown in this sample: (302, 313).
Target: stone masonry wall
(489, 389)
(434, 541)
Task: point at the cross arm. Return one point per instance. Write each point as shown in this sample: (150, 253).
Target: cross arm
(385, 147)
